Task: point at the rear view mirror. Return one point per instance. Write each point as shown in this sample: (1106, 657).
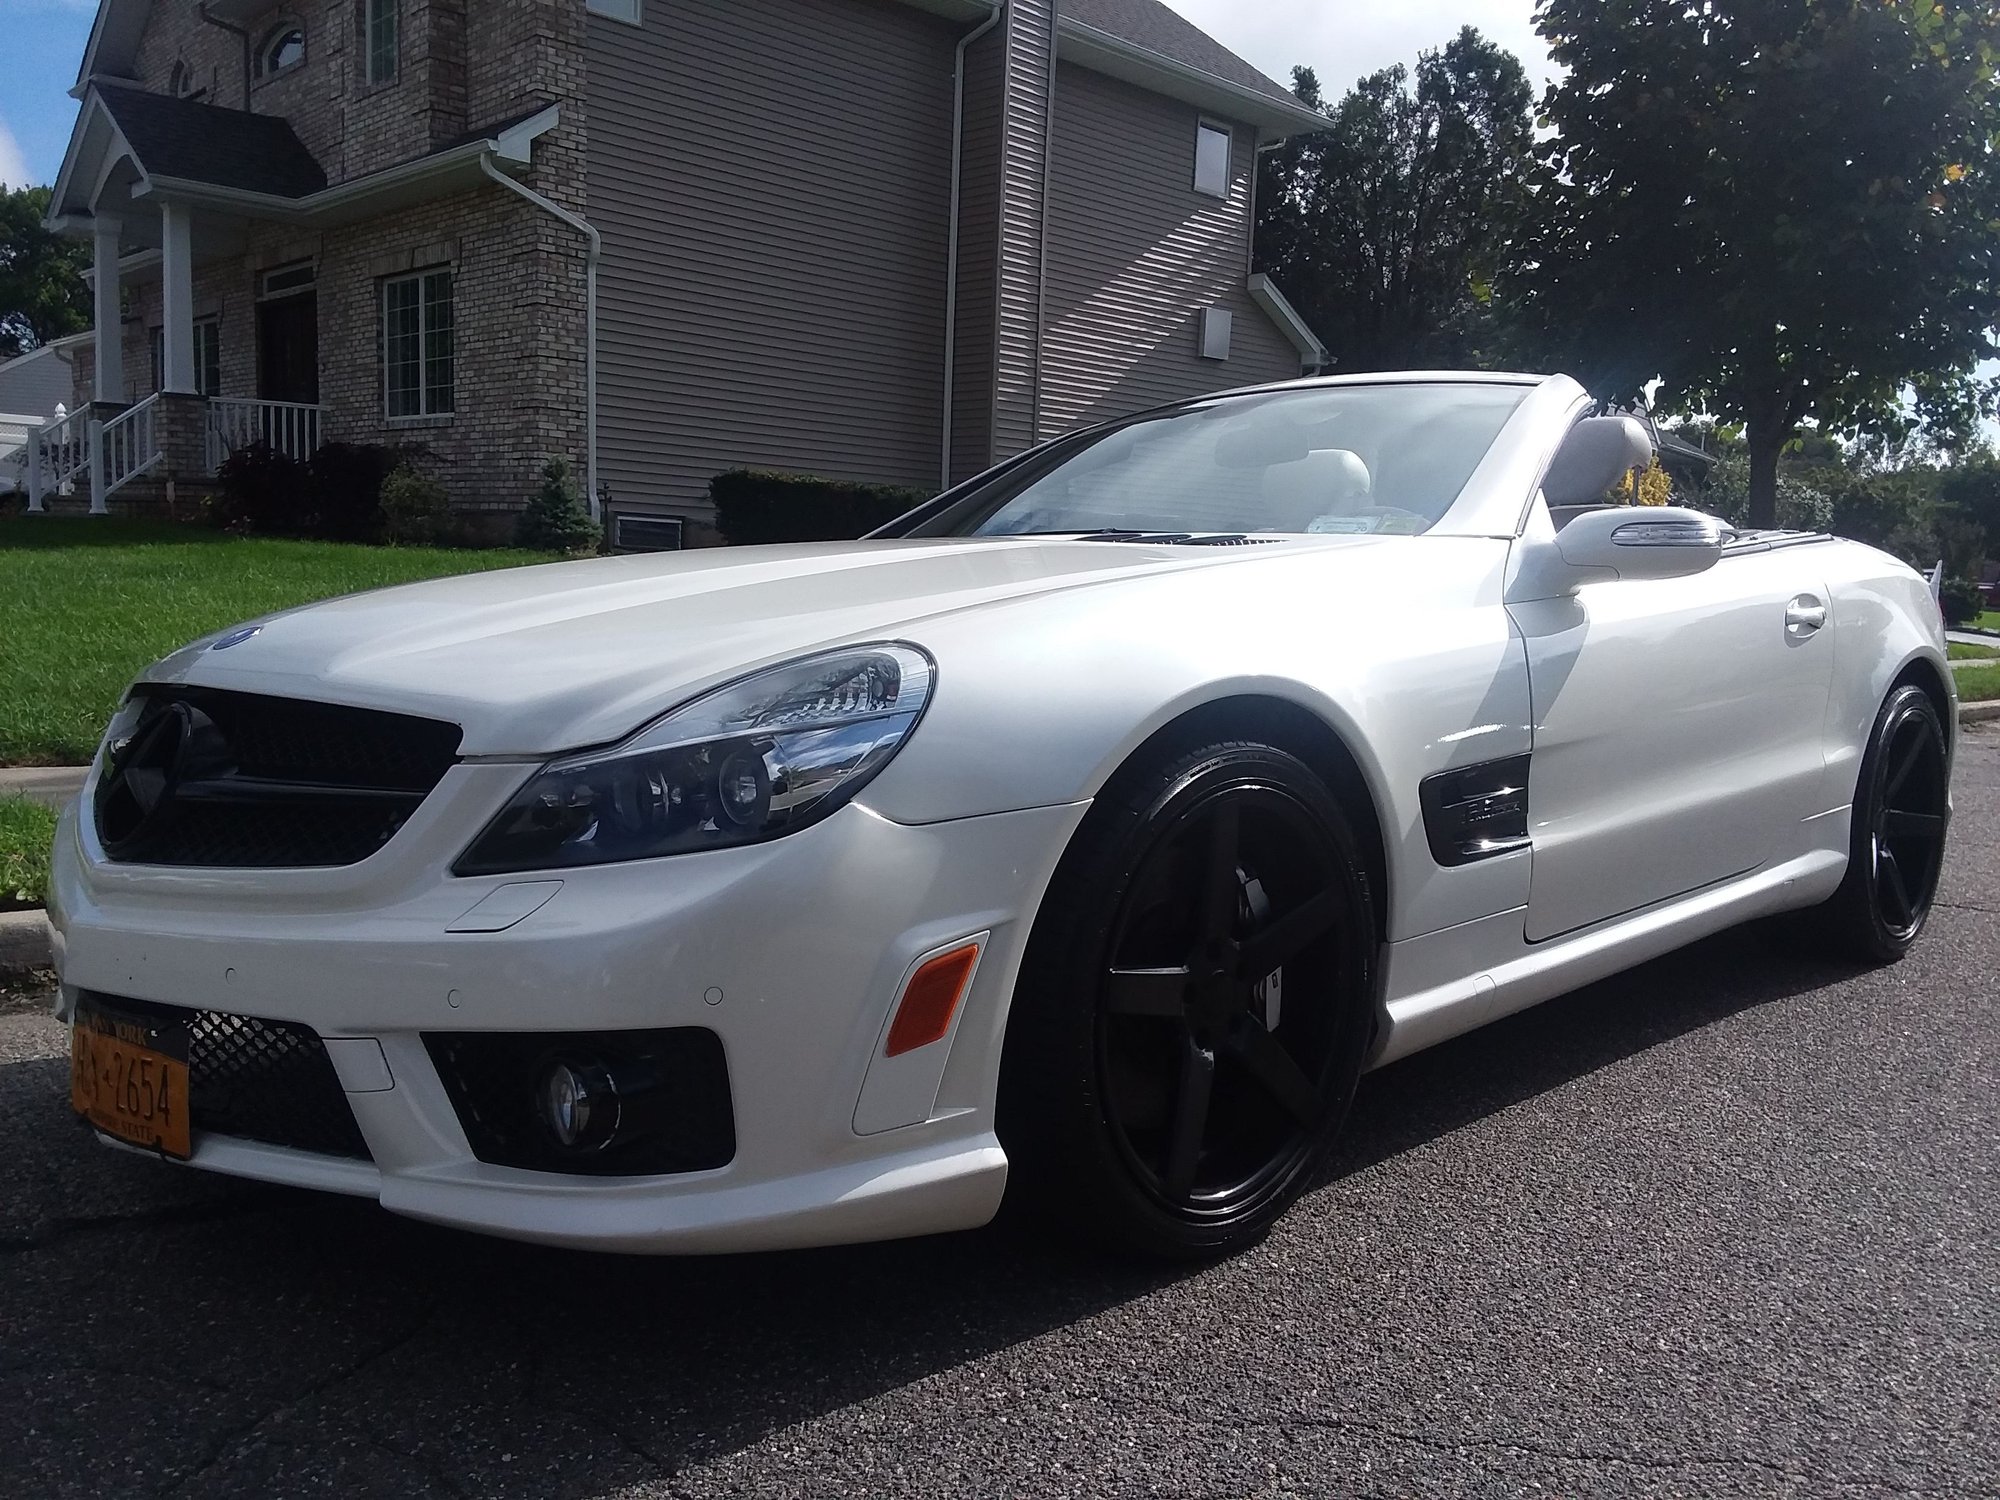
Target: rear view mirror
(1652, 541)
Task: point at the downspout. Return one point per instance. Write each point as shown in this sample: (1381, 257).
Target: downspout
(951, 254)
(589, 317)
(242, 34)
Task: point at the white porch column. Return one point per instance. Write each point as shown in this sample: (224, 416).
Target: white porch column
(110, 310)
(176, 299)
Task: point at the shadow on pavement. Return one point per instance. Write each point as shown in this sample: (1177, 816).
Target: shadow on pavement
(227, 1338)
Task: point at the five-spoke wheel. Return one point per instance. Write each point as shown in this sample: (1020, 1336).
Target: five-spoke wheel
(1902, 807)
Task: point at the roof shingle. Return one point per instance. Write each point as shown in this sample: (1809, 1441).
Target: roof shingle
(1149, 24)
(205, 143)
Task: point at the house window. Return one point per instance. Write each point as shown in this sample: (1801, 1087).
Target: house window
(382, 24)
(207, 357)
(417, 363)
(284, 47)
(617, 10)
(1211, 160)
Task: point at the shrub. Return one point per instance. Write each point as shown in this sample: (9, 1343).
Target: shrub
(259, 489)
(753, 507)
(415, 509)
(334, 496)
(556, 519)
(1960, 600)
(1801, 506)
(344, 484)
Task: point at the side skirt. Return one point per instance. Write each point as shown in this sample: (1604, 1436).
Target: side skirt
(1444, 984)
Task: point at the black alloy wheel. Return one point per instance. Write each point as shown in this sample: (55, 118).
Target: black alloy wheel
(1902, 812)
(1195, 1004)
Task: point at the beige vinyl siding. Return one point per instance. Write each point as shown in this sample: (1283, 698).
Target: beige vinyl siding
(1024, 188)
(772, 182)
(1135, 254)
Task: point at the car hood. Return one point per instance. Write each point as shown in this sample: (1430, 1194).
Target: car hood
(531, 661)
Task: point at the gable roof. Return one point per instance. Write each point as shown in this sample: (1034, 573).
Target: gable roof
(229, 148)
(1150, 25)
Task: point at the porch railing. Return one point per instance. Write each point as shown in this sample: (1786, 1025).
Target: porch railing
(290, 427)
(129, 445)
(58, 451)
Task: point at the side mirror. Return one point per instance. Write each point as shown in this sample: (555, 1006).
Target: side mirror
(1643, 541)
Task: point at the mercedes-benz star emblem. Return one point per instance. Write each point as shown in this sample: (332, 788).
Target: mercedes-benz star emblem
(143, 776)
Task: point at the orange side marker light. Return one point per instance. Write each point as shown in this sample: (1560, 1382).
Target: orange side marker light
(930, 1000)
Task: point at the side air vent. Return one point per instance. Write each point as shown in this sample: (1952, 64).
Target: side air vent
(1477, 812)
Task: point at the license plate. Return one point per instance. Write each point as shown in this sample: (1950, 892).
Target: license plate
(128, 1076)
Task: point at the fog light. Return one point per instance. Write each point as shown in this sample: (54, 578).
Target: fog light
(580, 1105)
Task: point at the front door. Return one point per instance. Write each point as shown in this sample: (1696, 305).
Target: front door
(1678, 733)
(288, 348)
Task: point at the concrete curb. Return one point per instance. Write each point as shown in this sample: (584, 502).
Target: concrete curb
(52, 785)
(27, 941)
(1978, 713)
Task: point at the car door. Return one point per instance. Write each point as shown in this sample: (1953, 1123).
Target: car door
(1677, 736)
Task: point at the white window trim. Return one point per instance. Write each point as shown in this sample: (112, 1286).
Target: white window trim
(424, 412)
(637, 18)
(1228, 134)
(369, 11)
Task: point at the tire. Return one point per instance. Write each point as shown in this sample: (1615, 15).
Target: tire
(1896, 843)
(1155, 1096)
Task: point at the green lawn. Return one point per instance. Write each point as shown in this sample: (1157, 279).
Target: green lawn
(1960, 651)
(1978, 684)
(84, 604)
(26, 831)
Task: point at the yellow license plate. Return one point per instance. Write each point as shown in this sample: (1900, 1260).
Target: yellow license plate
(128, 1076)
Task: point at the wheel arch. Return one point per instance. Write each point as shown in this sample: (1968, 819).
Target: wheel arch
(1922, 672)
(1292, 727)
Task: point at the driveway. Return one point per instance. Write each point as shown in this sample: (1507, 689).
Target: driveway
(1729, 1225)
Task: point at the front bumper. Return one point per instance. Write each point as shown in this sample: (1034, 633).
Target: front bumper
(792, 952)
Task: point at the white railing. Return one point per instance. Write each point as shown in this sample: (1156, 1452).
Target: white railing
(290, 427)
(58, 451)
(128, 445)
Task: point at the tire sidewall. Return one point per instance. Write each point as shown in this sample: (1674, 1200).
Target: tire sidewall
(1052, 1065)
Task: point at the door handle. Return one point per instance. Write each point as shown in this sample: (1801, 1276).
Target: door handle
(1803, 616)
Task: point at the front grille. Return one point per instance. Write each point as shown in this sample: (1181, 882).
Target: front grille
(225, 779)
(260, 1080)
(493, 1079)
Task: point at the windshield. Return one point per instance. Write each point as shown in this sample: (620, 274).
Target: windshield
(1320, 460)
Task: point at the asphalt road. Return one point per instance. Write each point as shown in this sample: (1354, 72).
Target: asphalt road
(1727, 1225)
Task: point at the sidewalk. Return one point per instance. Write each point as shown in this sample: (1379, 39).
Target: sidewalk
(54, 785)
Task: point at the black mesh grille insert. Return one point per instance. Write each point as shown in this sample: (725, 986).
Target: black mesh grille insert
(226, 779)
(259, 1080)
(686, 1123)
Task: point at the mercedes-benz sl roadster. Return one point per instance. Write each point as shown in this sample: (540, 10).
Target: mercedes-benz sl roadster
(1083, 836)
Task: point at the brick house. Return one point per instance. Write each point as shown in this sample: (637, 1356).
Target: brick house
(883, 240)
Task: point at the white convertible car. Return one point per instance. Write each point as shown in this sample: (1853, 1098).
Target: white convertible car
(1084, 834)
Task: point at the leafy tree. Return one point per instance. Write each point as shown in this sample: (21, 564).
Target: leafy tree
(42, 292)
(1389, 229)
(1785, 209)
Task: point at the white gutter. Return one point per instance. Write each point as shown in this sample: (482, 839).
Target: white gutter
(951, 254)
(589, 317)
(1264, 292)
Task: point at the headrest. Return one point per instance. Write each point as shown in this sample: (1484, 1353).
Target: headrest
(1598, 452)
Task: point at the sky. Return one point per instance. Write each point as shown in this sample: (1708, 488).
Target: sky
(1342, 39)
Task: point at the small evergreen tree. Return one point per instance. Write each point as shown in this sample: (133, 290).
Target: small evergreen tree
(556, 519)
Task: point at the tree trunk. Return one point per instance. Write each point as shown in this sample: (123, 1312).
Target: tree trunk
(1767, 440)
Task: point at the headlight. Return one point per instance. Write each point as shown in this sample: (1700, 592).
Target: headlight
(746, 763)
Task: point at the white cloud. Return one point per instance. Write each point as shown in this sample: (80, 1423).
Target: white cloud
(13, 165)
(1343, 43)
